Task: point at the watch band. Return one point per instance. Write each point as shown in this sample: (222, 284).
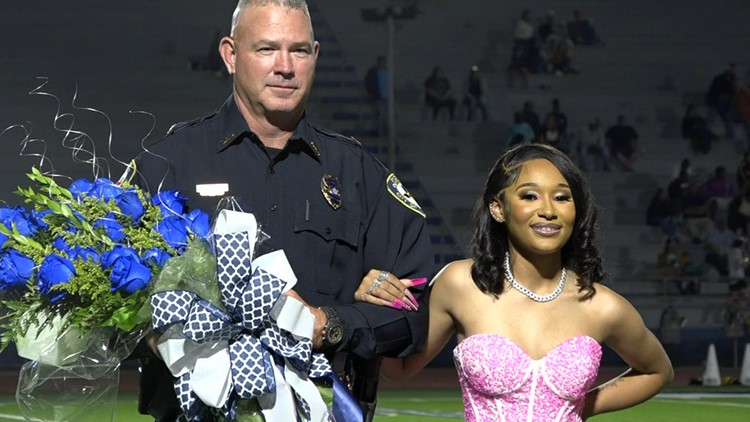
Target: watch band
(333, 332)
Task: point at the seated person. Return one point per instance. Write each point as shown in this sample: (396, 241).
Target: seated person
(520, 131)
(438, 93)
(696, 129)
(581, 30)
(592, 147)
(551, 134)
(623, 143)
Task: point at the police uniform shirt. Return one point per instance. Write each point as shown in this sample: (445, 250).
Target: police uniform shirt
(331, 206)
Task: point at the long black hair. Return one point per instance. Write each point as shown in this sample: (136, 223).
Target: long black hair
(490, 241)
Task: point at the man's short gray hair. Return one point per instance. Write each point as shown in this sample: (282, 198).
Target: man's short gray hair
(290, 4)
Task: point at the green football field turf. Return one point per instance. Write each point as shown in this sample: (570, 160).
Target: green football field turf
(423, 405)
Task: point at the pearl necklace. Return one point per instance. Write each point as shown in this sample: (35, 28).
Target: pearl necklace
(528, 293)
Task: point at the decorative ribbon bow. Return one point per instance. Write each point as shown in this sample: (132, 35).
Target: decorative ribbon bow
(258, 347)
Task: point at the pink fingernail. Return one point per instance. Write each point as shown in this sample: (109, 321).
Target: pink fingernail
(397, 304)
(411, 298)
(418, 281)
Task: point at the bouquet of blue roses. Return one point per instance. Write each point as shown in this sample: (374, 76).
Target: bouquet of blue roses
(76, 275)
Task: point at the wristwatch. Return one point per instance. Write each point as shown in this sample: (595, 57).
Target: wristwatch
(334, 330)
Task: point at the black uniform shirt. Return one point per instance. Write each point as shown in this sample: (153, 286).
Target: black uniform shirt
(329, 249)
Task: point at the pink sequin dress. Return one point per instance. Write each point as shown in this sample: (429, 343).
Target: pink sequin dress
(500, 382)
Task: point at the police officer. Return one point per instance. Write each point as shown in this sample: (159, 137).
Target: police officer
(339, 215)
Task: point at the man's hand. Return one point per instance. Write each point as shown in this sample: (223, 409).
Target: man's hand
(320, 320)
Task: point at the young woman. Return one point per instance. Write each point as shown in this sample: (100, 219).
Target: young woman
(528, 308)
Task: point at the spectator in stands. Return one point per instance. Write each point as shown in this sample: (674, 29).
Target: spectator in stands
(560, 118)
(518, 68)
(719, 240)
(696, 210)
(474, 91)
(376, 85)
(720, 97)
(524, 40)
(439, 94)
(551, 135)
(557, 52)
(663, 212)
(676, 263)
(623, 143)
(529, 116)
(684, 164)
(679, 186)
(737, 260)
(592, 147)
(212, 60)
(743, 172)
(742, 105)
(520, 131)
(738, 215)
(581, 30)
(546, 28)
(721, 190)
(696, 129)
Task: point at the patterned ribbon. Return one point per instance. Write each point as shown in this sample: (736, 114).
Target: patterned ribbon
(246, 342)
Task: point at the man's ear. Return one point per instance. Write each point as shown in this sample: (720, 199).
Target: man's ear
(228, 53)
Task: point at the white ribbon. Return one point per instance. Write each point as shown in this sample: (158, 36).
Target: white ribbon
(209, 362)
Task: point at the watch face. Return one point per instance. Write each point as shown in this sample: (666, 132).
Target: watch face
(335, 334)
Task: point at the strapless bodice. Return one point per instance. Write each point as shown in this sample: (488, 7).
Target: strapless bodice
(500, 382)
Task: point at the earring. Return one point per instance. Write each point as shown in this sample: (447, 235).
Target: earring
(495, 217)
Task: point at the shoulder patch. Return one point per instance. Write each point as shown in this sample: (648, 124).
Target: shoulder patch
(398, 191)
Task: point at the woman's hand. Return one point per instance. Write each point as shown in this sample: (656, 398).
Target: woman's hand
(384, 289)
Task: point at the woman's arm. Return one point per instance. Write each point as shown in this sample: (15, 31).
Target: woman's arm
(628, 336)
(441, 325)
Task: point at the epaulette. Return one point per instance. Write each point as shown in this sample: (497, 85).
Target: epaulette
(340, 136)
(181, 125)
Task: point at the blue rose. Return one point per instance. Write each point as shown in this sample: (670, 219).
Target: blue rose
(38, 218)
(128, 274)
(171, 202)
(104, 189)
(111, 226)
(174, 230)
(6, 213)
(155, 257)
(60, 244)
(21, 219)
(15, 269)
(119, 251)
(80, 188)
(86, 254)
(198, 222)
(130, 204)
(53, 271)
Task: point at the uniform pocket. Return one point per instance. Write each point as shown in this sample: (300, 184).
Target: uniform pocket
(332, 238)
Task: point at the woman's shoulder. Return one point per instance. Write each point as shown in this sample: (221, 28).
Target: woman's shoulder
(609, 305)
(455, 274)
